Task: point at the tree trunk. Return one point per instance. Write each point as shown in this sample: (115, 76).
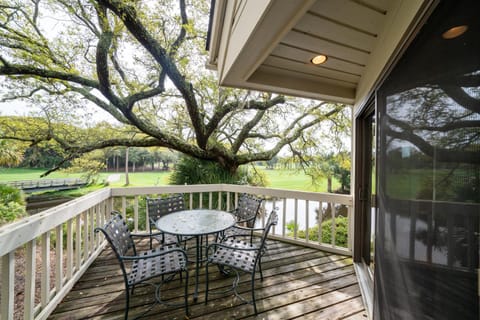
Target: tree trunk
(329, 184)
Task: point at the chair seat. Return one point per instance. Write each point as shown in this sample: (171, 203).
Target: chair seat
(145, 269)
(235, 257)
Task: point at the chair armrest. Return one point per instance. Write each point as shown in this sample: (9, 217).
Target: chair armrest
(247, 228)
(247, 247)
(156, 253)
(140, 235)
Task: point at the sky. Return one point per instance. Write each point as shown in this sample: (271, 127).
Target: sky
(16, 108)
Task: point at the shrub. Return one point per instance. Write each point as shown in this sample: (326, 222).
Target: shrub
(341, 232)
(12, 204)
(195, 171)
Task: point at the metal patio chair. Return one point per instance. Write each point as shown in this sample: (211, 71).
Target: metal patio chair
(246, 213)
(240, 256)
(140, 266)
(158, 207)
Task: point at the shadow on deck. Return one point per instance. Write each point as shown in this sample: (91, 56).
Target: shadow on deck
(298, 282)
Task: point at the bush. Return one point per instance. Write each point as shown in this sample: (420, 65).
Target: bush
(341, 232)
(195, 171)
(12, 204)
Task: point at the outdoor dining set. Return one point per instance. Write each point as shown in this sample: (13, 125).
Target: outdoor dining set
(179, 240)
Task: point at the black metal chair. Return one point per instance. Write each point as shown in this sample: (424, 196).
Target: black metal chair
(158, 207)
(140, 266)
(240, 256)
(246, 213)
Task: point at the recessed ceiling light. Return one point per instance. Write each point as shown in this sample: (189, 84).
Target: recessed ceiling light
(319, 59)
(454, 32)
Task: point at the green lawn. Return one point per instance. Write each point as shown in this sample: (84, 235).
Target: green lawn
(282, 179)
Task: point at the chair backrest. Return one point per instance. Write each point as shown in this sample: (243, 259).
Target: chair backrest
(118, 236)
(247, 209)
(271, 221)
(158, 207)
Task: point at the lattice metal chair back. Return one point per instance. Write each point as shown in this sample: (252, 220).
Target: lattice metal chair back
(138, 267)
(246, 213)
(158, 207)
(247, 209)
(240, 256)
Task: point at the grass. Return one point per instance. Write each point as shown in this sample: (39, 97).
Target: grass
(295, 180)
(278, 178)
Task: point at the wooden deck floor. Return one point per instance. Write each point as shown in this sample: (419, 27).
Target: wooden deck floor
(299, 283)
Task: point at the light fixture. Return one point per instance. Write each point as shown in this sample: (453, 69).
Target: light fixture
(454, 32)
(321, 58)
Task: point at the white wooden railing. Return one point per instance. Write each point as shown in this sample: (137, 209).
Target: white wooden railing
(39, 237)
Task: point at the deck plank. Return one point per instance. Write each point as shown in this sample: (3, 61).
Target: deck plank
(299, 282)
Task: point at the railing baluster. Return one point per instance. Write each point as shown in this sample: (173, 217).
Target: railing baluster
(29, 298)
(124, 207)
(45, 279)
(284, 215)
(8, 278)
(91, 224)
(228, 201)
(334, 230)
(307, 224)
(85, 245)
(78, 241)
(98, 223)
(69, 249)
(59, 257)
(135, 214)
(350, 227)
(320, 220)
(295, 218)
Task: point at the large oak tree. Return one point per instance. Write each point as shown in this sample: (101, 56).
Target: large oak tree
(142, 63)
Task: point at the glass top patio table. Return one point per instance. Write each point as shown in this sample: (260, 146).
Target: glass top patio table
(197, 223)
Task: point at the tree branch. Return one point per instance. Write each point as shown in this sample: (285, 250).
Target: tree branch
(221, 111)
(461, 97)
(441, 154)
(129, 17)
(9, 69)
(246, 129)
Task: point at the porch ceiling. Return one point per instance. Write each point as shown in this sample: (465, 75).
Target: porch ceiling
(288, 34)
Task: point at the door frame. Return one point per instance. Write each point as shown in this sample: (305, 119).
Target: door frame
(362, 183)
